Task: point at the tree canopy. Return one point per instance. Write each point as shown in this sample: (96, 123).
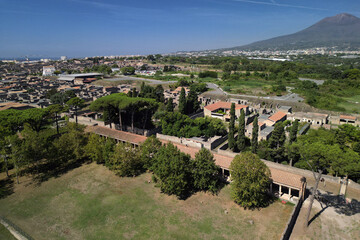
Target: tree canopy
(172, 168)
(250, 181)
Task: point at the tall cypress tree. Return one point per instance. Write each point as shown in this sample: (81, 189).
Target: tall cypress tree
(182, 101)
(276, 143)
(294, 130)
(231, 137)
(169, 105)
(192, 103)
(241, 132)
(255, 134)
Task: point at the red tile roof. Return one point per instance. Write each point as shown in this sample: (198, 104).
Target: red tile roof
(277, 116)
(278, 176)
(226, 105)
(286, 178)
(347, 117)
(116, 134)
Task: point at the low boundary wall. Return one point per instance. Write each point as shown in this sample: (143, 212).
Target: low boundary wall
(193, 143)
(14, 230)
(292, 220)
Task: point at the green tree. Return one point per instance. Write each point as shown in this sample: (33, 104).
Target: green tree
(16, 156)
(148, 151)
(182, 101)
(121, 109)
(70, 146)
(159, 93)
(34, 148)
(127, 70)
(95, 147)
(126, 160)
(205, 172)
(54, 111)
(255, 135)
(170, 105)
(192, 103)
(241, 133)
(250, 181)
(172, 168)
(134, 93)
(294, 130)
(76, 103)
(276, 143)
(35, 117)
(232, 142)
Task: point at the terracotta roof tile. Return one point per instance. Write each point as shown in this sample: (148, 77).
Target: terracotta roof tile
(116, 134)
(286, 178)
(347, 117)
(226, 105)
(278, 176)
(277, 116)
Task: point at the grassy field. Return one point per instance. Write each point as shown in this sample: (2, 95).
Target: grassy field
(351, 104)
(5, 234)
(90, 202)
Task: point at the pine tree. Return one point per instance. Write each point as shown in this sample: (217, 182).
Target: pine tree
(182, 101)
(169, 105)
(255, 134)
(294, 130)
(231, 138)
(241, 132)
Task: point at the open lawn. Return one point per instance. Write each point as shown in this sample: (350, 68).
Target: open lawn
(90, 202)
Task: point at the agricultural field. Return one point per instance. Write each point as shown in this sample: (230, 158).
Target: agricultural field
(90, 202)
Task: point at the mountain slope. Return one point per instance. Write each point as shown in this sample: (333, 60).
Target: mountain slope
(341, 31)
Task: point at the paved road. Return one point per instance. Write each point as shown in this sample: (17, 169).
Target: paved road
(127, 78)
(290, 97)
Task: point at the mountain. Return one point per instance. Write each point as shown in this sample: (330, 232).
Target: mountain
(341, 31)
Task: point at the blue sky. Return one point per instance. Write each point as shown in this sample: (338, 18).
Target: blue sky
(109, 27)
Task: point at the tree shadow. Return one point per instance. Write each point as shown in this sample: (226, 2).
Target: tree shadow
(317, 215)
(51, 170)
(339, 203)
(6, 187)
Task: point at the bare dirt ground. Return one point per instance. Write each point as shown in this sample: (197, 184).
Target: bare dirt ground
(329, 220)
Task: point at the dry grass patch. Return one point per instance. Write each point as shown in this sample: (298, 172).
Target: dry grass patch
(90, 202)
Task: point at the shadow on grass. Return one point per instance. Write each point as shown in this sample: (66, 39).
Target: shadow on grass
(50, 170)
(6, 187)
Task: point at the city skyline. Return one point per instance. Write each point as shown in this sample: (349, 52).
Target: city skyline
(79, 28)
